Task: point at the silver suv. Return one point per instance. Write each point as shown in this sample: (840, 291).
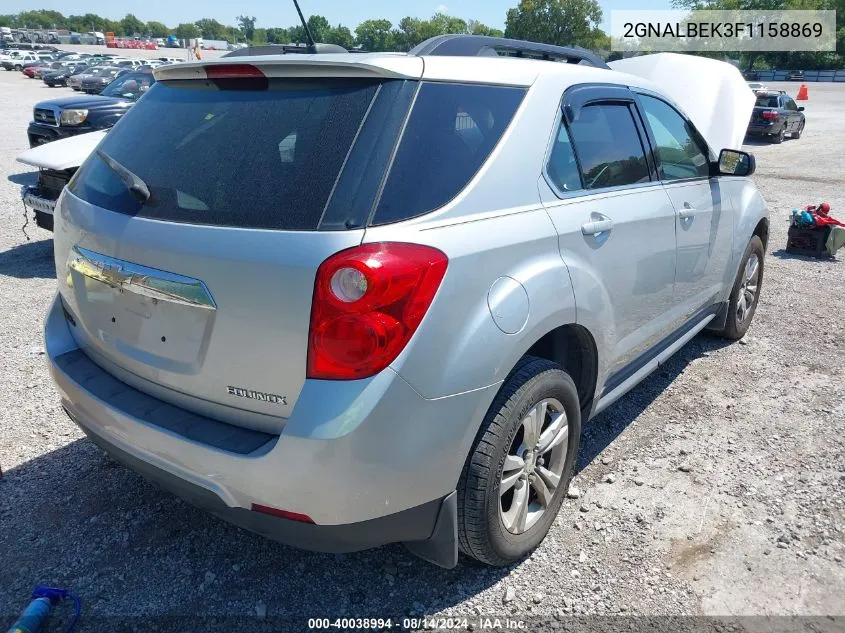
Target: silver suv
(348, 300)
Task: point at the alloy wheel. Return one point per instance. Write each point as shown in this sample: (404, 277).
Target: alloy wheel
(533, 466)
(748, 289)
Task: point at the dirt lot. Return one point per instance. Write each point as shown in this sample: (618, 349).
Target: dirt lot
(727, 494)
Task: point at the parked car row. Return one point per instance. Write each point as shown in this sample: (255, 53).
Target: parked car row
(55, 65)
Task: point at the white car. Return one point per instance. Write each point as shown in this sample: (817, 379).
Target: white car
(756, 87)
(128, 63)
(56, 163)
(17, 63)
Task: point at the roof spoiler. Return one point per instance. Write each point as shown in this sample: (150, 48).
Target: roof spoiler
(484, 45)
(286, 49)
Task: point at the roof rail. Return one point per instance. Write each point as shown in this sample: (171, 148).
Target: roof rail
(483, 45)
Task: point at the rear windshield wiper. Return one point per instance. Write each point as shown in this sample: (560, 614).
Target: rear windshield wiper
(134, 184)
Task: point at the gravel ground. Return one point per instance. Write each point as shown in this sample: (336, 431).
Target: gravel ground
(717, 487)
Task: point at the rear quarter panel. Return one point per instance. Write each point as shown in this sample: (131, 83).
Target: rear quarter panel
(459, 347)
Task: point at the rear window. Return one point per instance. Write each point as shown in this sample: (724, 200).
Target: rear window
(767, 102)
(265, 158)
(450, 133)
(130, 86)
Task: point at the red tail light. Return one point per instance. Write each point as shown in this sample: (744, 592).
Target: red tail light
(285, 514)
(368, 302)
(232, 71)
(769, 114)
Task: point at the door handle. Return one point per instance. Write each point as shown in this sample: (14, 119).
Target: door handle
(596, 226)
(686, 213)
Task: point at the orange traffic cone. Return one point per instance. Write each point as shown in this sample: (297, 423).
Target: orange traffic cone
(802, 93)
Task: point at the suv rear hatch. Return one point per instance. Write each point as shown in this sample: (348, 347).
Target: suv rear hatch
(767, 104)
(201, 294)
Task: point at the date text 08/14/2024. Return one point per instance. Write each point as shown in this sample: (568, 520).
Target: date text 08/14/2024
(416, 623)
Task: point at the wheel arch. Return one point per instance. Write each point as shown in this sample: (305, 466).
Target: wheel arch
(574, 348)
(762, 231)
(751, 217)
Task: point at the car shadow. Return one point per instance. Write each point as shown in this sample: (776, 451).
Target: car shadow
(75, 518)
(24, 178)
(784, 254)
(755, 142)
(600, 432)
(29, 260)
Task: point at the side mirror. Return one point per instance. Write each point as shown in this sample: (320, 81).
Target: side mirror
(733, 162)
(800, 108)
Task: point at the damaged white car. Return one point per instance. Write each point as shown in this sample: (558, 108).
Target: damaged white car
(56, 163)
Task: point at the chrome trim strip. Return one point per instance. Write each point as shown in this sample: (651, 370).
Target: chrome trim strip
(149, 282)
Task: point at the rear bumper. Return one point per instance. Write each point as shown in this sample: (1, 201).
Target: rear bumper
(33, 199)
(758, 129)
(413, 524)
(370, 462)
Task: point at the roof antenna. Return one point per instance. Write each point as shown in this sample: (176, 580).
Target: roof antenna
(308, 35)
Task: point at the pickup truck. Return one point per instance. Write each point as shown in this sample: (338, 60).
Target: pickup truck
(70, 116)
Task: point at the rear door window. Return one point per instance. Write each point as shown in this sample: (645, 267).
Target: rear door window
(223, 155)
(450, 133)
(608, 146)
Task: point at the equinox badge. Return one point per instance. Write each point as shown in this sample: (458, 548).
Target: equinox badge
(240, 392)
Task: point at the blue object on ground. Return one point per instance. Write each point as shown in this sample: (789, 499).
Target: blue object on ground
(38, 610)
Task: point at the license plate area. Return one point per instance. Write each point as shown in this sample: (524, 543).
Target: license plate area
(156, 318)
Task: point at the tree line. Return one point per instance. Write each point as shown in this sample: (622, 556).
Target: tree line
(564, 22)
(371, 35)
(784, 60)
(561, 22)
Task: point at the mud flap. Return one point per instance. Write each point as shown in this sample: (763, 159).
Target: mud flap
(441, 548)
(720, 320)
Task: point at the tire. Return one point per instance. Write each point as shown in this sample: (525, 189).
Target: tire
(482, 530)
(777, 139)
(736, 326)
(18, 68)
(797, 133)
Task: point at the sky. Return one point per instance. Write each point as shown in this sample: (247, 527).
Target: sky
(281, 13)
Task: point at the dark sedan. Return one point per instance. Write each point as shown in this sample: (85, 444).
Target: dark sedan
(95, 83)
(775, 115)
(60, 77)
